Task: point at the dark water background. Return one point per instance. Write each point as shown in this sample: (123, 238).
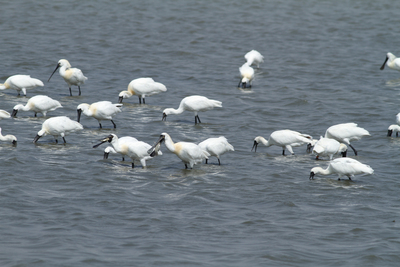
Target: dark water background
(63, 205)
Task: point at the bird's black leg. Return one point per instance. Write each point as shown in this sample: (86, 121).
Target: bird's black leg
(64, 140)
(56, 141)
(100, 125)
(35, 114)
(355, 151)
(79, 90)
(240, 81)
(186, 166)
(115, 126)
(140, 100)
(196, 119)
(133, 165)
(219, 162)
(283, 152)
(206, 161)
(70, 92)
(144, 102)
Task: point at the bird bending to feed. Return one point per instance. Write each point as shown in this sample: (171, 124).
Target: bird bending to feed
(216, 147)
(38, 104)
(394, 128)
(4, 114)
(254, 57)
(121, 142)
(392, 62)
(72, 76)
(102, 110)
(329, 147)
(8, 138)
(343, 167)
(194, 103)
(247, 76)
(58, 126)
(285, 139)
(345, 133)
(136, 150)
(21, 83)
(142, 87)
(189, 153)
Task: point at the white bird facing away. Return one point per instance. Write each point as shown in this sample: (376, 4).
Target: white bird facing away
(394, 128)
(123, 140)
(58, 126)
(345, 133)
(38, 104)
(398, 118)
(8, 138)
(102, 110)
(20, 83)
(392, 62)
(285, 139)
(247, 76)
(189, 153)
(136, 150)
(343, 167)
(4, 114)
(254, 57)
(142, 87)
(216, 147)
(72, 76)
(329, 147)
(194, 103)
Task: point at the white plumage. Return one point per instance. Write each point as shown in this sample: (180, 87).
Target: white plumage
(216, 147)
(58, 126)
(136, 150)
(254, 57)
(343, 167)
(247, 76)
(72, 76)
(394, 128)
(20, 83)
(102, 110)
(195, 104)
(189, 153)
(121, 141)
(346, 132)
(4, 114)
(329, 147)
(392, 62)
(142, 87)
(38, 104)
(8, 138)
(285, 139)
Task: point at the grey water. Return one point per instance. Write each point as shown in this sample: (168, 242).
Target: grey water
(64, 205)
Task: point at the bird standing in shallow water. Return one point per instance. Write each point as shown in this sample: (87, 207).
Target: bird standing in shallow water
(285, 139)
(392, 62)
(195, 104)
(216, 147)
(343, 167)
(189, 153)
(58, 126)
(329, 147)
(21, 83)
(72, 76)
(247, 76)
(102, 110)
(254, 57)
(8, 138)
(4, 114)
(38, 104)
(142, 87)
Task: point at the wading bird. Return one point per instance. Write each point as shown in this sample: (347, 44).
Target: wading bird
(58, 126)
(142, 87)
(72, 76)
(254, 57)
(21, 83)
(8, 138)
(329, 147)
(216, 147)
(102, 110)
(247, 76)
(38, 104)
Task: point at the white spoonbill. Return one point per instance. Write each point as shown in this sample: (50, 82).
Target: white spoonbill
(102, 110)
(285, 139)
(136, 150)
(247, 76)
(194, 103)
(392, 62)
(20, 83)
(38, 104)
(121, 141)
(58, 126)
(142, 87)
(254, 57)
(329, 147)
(398, 118)
(8, 138)
(345, 133)
(72, 76)
(216, 147)
(343, 167)
(394, 128)
(189, 153)
(4, 114)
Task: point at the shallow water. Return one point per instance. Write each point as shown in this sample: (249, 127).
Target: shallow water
(64, 205)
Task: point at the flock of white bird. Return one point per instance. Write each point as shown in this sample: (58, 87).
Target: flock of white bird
(336, 140)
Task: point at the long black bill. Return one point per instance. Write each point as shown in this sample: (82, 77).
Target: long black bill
(344, 154)
(36, 138)
(79, 115)
(14, 142)
(105, 155)
(156, 147)
(389, 132)
(164, 117)
(312, 174)
(14, 112)
(107, 139)
(383, 66)
(254, 146)
(58, 65)
(120, 99)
